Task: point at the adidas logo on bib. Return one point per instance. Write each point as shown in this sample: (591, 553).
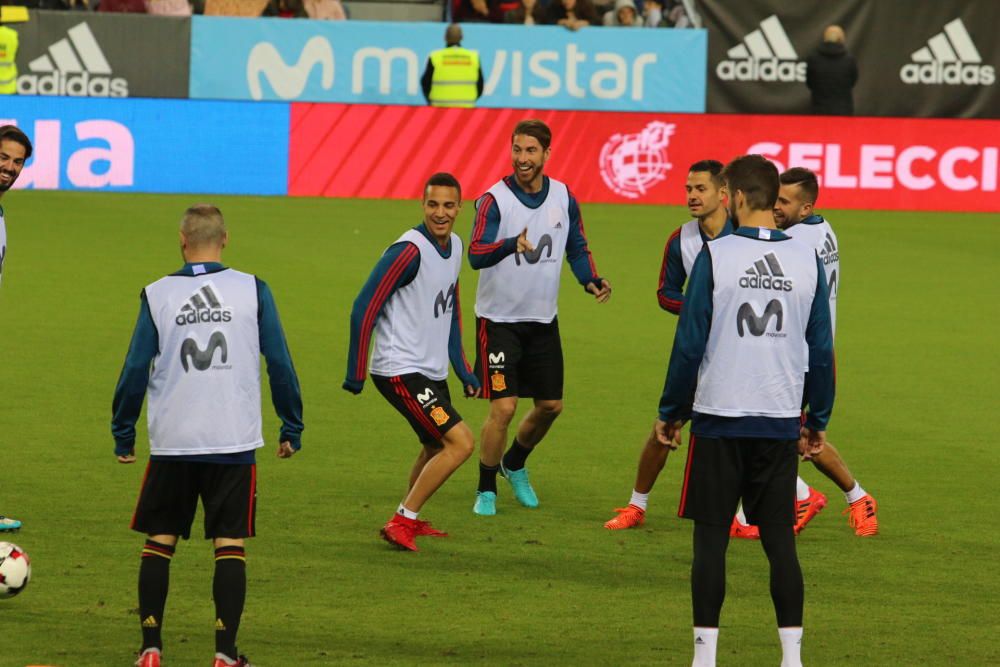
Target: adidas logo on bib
(766, 273)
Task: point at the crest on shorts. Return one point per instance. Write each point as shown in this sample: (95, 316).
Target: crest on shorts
(439, 416)
(633, 163)
(498, 382)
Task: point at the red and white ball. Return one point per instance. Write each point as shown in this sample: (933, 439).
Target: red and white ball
(15, 569)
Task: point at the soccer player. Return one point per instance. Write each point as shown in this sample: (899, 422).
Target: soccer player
(524, 226)
(411, 302)
(202, 329)
(705, 194)
(15, 149)
(794, 214)
(756, 317)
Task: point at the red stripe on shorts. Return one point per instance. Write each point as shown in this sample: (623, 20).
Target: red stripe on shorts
(687, 476)
(414, 408)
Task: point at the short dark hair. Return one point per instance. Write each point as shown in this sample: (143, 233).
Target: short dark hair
(443, 179)
(14, 133)
(534, 128)
(805, 179)
(756, 177)
(713, 167)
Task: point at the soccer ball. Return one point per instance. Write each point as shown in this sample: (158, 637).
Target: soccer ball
(15, 569)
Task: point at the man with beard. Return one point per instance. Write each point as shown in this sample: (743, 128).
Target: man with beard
(524, 226)
(15, 149)
(794, 214)
(705, 194)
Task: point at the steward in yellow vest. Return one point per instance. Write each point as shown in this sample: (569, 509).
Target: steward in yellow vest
(453, 76)
(8, 68)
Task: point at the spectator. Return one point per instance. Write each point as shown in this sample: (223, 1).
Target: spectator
(524, 13)
(286, 9)
(131, 6)
(831, 73)
(572, 14)
(330, 10)
(677, 16)
(168, 7)
(476, 11)
(625, 15)
(234, 7)
(652, 14)
(453, 76)
(82, 5)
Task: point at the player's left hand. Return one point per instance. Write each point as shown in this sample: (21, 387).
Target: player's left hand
(472, 391)
(602, 293)
(812, 444)
(127, 458)
(285, 450)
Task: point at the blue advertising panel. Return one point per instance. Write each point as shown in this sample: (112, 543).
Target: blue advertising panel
(601, 69)
(142, 145)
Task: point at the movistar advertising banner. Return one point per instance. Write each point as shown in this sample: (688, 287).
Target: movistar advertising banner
(369, 62)
(85, 54)
(142, 145)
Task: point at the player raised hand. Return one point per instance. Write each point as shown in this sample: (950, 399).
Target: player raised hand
(602, 293)
(523, 244)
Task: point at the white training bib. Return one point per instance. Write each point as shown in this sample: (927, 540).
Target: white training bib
(820, 236)
(691, 244)
(204, 391)
(524, 287)
(756, 357)
(3, 243)
(411, 335)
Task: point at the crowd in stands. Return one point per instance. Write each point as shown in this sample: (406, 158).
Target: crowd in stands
(574, 14)
(316, 9)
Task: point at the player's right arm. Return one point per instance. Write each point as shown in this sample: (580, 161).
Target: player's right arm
(690, 342)
(484, 249)
(670, 291)
(397, 268)
(132, 382)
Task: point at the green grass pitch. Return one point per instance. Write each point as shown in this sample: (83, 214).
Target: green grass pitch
(916, 420)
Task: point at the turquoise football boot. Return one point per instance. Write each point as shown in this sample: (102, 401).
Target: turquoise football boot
(486, 503)
(522, 487)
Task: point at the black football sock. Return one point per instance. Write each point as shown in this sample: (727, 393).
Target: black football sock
(786, 574)
(154, 580)
(708, 573)
(229, 590)
(516, 456)
(488, 478)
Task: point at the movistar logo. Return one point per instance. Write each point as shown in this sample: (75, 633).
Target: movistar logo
(533, 257)
(766, 273)
(202, 359)
(426, 396)
(444, 301)
(205, 305)
(497, 358)
(757, 324)
(288, 81)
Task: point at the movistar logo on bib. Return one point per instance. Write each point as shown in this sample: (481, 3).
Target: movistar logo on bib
(766, 273)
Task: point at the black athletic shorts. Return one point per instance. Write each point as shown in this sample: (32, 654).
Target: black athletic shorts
(519, 359)
(169, 497)
(722, 471)
(425, 403)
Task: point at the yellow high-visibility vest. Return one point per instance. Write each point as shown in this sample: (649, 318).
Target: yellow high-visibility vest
(456, 73)
(8, 68)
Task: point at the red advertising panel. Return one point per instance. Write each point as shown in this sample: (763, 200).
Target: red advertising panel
(869, 163)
